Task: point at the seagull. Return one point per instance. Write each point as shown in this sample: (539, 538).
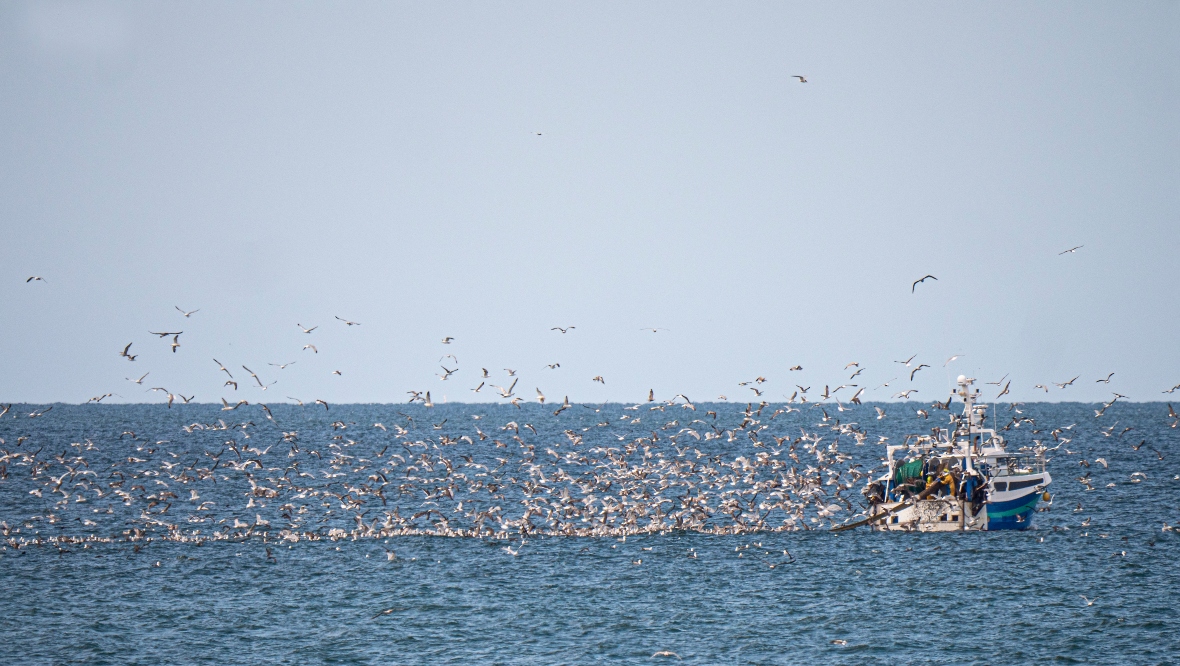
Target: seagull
(880, 413)
(186, 314)
(797, 367)
(907, 362)
(553, 366)
(905, 395)
(1071, 251)
(540, 397)
(918, 282)
(222, 368)
(1063, 385)
(802, 78)
(448, 340)
(1042, 386)
(915, 371)
(321, 402)
(948, 361)
(124, 353)
(349, 323)
(175, 342)
(140, 380)
(311, 347)
(227, 407)
(35, 277)
(1172, 390)
(599, 379)
(653, 330)
(1104, 381)
(284, 365)
(166, 333)
(665, 653)
(337, 372)
(306, 330)
(563, 330)
(1089, 602)
(254, 376)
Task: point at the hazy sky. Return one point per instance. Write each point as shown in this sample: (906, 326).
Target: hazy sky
(490, 170)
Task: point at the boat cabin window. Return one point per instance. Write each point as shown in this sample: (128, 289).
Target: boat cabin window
(1001, 486)
(1016, 485)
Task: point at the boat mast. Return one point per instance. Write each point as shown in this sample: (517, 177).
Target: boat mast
(968, 397)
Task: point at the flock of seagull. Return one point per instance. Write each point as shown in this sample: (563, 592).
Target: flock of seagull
(516, 470)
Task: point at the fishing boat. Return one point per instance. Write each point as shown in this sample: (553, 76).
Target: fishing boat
(958, 479)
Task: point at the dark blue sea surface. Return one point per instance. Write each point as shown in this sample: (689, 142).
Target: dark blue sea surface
(155, 576)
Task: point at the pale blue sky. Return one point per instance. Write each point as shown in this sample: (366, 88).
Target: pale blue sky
(275, 163)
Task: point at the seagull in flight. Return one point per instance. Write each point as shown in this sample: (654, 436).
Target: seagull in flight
(907, 362)
(350, 323)
(282, 366)
(222, 368)
(1104, 381)
(802, 77)
(923, 365)
(308, 330)
(186, 314)
(918, 282)
(1071, 251)
(35, 277)
(948, 361)
(563, 330)
(1089, 602)
(653, 330)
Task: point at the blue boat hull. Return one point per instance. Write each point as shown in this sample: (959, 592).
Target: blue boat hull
(1016, 514)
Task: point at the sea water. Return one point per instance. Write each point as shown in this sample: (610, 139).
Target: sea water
(854, 597)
